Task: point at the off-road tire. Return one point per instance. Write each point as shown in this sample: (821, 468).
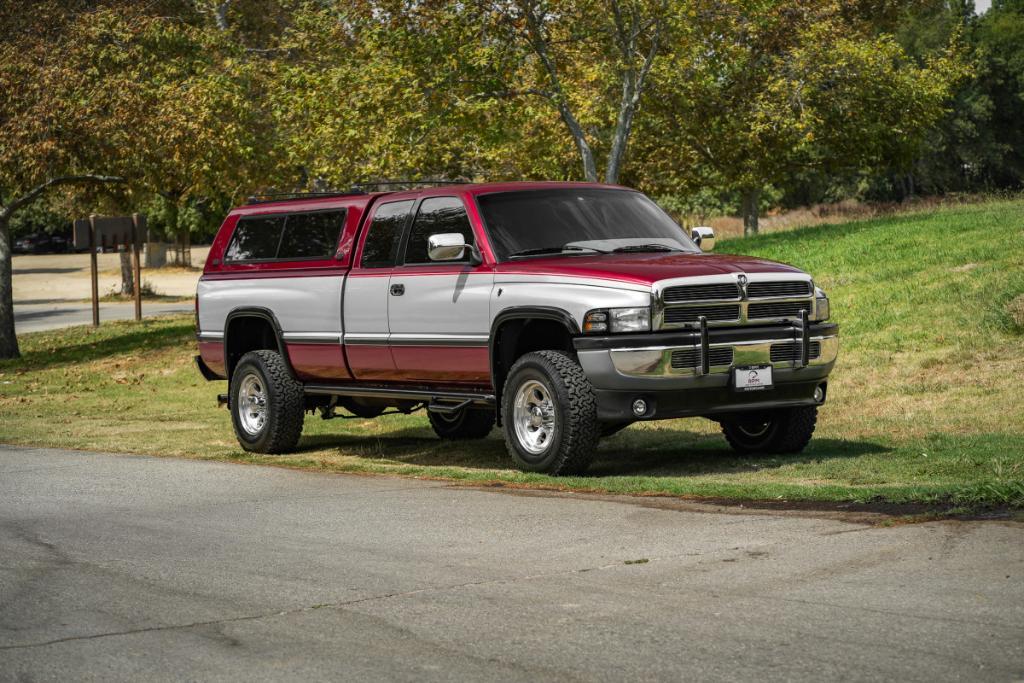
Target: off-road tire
(468, 423)
(285, 403)
(577, 431)
(787, 430)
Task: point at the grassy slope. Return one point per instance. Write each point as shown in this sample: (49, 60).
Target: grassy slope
(925, 405)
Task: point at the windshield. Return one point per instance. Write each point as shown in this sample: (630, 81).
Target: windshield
(569, 221)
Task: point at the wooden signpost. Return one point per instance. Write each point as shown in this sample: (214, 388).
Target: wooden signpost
(112, 231)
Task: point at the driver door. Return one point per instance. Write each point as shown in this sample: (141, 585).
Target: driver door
(438, 311)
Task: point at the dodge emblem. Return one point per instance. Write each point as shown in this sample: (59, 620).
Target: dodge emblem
(741, 279)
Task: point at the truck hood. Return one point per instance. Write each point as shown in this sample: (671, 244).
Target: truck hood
(646, 268)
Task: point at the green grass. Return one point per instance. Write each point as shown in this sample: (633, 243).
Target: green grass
(926, 404)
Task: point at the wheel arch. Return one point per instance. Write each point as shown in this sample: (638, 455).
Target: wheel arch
(520, 330)
(250, 319)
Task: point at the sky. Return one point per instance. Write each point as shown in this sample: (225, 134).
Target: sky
(982, 6)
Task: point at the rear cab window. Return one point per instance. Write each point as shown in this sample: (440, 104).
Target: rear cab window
(384, 235)
(300, 236)
(255, 239)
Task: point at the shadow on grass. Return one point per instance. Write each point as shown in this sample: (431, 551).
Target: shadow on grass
(96, 344)
(46, 271)
(650, 453)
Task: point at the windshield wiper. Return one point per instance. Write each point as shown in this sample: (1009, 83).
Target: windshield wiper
(542, 251)
(643, 247)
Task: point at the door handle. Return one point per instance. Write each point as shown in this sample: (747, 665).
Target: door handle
(397, 290)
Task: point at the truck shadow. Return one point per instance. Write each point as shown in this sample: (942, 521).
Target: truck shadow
(660, 453)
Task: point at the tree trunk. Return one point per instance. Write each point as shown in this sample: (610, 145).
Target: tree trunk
(580, 138)
(587, 155)
(220, 14)
(8, 339)
(186, 243)
(751, 197)
(623, 127)
(127, 277)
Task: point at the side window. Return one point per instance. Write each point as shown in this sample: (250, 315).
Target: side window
(436, 215)
(380, 249)
(311, 235)
(255, 238)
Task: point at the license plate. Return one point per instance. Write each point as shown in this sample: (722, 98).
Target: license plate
(752, 378)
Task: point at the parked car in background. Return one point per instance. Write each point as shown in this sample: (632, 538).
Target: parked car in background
(42, 243)
(563, 312)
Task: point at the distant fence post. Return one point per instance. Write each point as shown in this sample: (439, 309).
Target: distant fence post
(94, 271)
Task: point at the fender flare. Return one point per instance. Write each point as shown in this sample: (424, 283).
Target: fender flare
(264, 314)
(558, 315)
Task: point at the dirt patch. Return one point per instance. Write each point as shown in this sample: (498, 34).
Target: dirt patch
(1016, 310)
(48, 278)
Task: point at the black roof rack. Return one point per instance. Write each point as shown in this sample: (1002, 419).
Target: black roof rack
(393, 183)
(357, 189)
(268, 197)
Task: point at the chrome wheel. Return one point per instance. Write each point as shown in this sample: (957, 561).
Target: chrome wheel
(534, 417)
(252, 404)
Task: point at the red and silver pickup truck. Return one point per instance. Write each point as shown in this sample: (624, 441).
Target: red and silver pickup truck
(563, 312)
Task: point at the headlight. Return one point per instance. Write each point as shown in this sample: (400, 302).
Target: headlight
(618, 320)
(822, 309)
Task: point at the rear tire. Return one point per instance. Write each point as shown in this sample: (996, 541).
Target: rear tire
(549, 414)
(468, 423)
(782, 431)
(267, 404)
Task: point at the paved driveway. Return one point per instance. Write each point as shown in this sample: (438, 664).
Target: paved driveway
(55, 315)
(130, 567)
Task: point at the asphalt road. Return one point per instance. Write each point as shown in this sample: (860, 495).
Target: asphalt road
(130, 567)
(52, 316)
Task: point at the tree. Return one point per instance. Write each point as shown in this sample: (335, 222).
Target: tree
(370, 90)
(785, 87)
(979, 144)
(182, 102)
(590, 60)
(47, 143)
(468, 88)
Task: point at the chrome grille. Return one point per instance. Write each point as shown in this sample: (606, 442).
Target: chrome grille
(778, 310)
(722, 290)
(691, 314)
(690, 358)
(789, 351)
(761, 290)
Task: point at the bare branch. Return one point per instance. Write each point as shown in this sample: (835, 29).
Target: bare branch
(539, 43)
(7, 211)
(624, 44)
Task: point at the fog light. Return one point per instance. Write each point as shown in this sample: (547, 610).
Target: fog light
(819, 393)
(639, 407)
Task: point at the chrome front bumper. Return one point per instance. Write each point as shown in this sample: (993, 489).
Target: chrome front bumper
(640, 364)
(657, 361)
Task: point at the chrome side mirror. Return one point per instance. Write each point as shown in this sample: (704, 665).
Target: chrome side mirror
(703, 237)
(447, 246)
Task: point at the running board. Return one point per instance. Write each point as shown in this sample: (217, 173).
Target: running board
(424, 395)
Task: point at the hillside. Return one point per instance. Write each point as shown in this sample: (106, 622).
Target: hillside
(926, 404)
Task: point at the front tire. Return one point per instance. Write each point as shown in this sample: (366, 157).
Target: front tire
(782, 431)
(267, 404)
(468, 423)
(549, 414)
